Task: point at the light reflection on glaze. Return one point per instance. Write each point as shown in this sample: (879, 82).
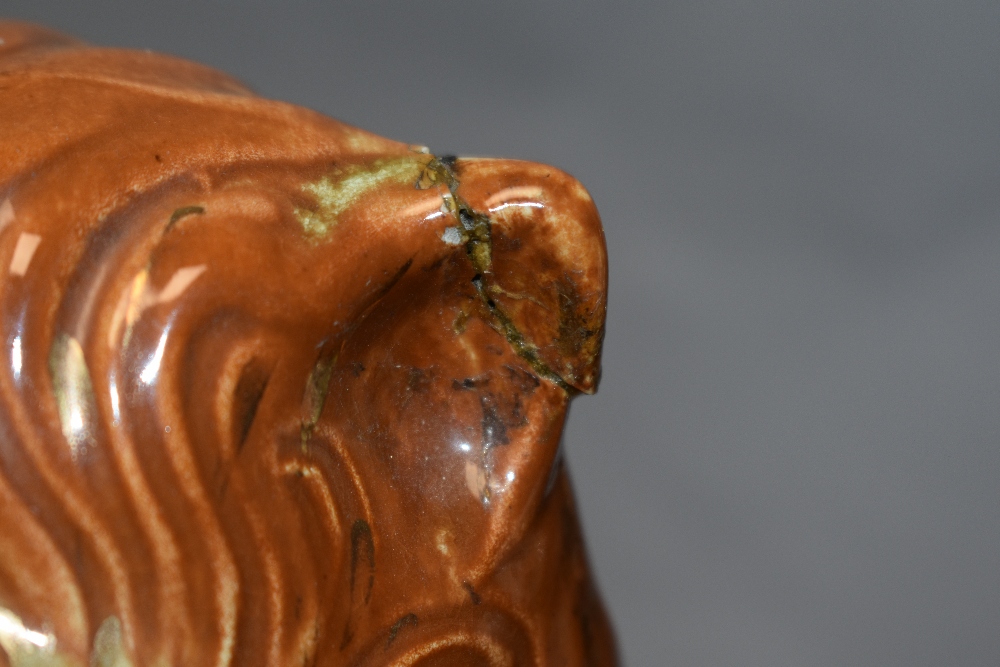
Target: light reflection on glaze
(127, 310)
(15, 357)
(13, 633)
(525, 204)
(429, 209)
(140, 297)
(179, 282)
(503, 198)
(152, 368)
(6, 214)
(25, 249)
(115, 402)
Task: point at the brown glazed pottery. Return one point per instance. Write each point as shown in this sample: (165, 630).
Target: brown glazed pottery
(276, 391)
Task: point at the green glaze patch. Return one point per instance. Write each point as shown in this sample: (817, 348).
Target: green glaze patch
(109, 645)
(74, 393)
(28, 648)
(337, 192)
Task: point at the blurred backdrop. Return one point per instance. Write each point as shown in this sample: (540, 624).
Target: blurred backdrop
(793, 458)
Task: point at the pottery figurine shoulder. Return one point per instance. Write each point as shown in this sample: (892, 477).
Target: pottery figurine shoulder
(277, 391)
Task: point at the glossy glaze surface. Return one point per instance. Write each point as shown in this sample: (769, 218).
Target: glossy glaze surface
(274, 390)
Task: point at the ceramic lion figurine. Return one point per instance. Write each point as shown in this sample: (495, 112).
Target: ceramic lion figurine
(277, 391)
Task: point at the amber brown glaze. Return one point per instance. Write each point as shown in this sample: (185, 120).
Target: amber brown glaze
(276, 391)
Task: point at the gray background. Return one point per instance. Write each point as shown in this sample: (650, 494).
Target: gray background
(793, 457)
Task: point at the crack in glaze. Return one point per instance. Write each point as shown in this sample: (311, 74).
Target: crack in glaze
(476, 229)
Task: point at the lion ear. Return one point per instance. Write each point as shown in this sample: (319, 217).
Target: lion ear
(547, 278)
